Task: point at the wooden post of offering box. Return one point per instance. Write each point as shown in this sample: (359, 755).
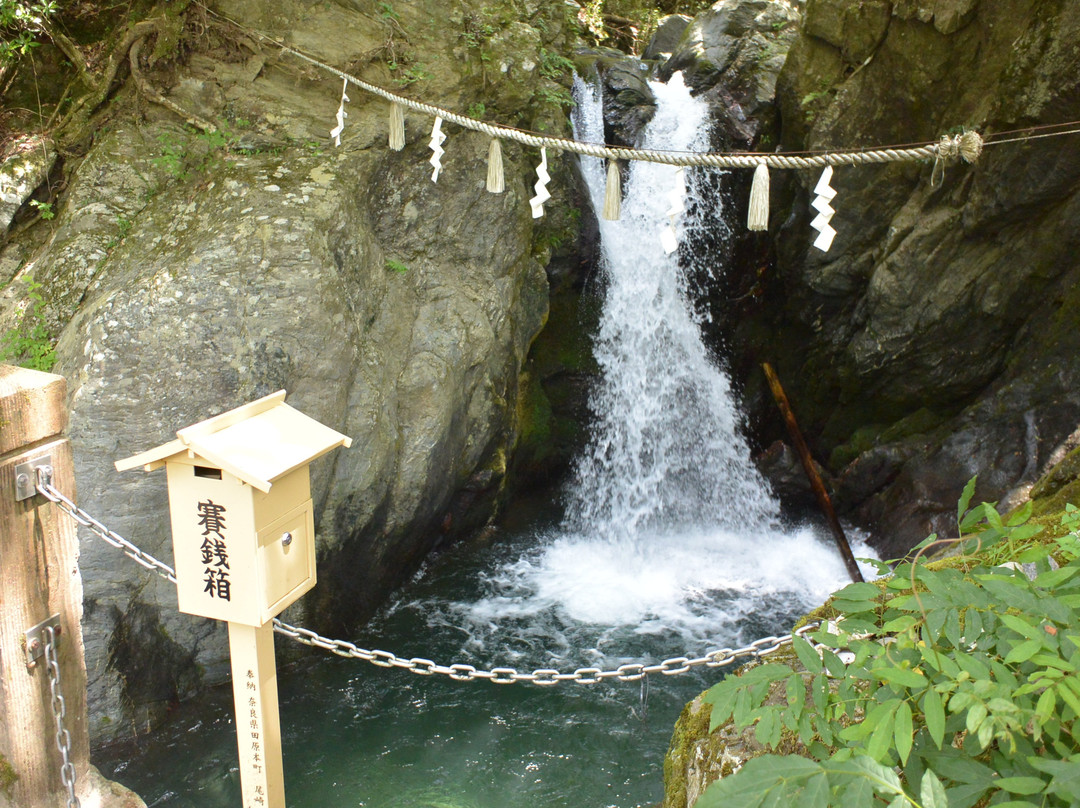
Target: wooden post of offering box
(244, 550)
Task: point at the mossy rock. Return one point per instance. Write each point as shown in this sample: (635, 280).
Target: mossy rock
(698, 757)
(865, 438)
(8, 777)
(1059, 485)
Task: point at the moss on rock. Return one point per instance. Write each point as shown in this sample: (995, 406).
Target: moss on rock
(8, 776)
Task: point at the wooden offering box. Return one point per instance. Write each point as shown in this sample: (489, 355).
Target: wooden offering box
(240, 505)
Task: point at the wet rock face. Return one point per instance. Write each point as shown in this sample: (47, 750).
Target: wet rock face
(198, 271)
(951, 298)
(738, 46)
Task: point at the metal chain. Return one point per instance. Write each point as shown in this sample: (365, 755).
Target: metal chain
(544, 677)
(631, 672)
(46, 489)
(63, 737)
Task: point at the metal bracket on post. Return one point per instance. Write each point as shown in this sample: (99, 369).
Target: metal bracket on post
(35, 639)
(26, 476)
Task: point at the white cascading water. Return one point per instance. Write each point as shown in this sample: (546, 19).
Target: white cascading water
(666, 455)
(669, 527)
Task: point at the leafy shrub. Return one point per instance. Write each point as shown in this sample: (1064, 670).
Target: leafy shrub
(953, 684)
(29, 343)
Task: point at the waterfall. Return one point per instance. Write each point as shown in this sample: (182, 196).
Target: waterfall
(669, 529)
(666, 453)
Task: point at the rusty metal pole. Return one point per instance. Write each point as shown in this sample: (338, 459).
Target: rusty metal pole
(816, 482)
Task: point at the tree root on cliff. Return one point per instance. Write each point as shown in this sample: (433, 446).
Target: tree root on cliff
(150, 92)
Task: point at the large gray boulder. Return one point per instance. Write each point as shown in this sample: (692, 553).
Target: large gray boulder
(192, 271)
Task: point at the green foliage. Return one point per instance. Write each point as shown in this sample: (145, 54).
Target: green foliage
(477, 110)
(939, 686)
(555, 66)
(178, 158)
(123, 227)
(171, 158)
(29, 342)
(8, 777)
(406, 75)
(44, 209)
(557, 96)
(396, 267)
(21, 22)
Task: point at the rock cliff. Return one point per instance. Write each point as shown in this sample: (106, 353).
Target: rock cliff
(190, 269)
(936, 339)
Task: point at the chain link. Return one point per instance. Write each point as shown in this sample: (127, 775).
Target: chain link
(63, 737)
(630, 672)
(544, 677)
(46, 489)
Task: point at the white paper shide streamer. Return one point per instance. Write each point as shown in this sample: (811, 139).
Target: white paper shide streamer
(438, 137)
(542, 195)
(668, 236)
(825, 194)
(335, 133)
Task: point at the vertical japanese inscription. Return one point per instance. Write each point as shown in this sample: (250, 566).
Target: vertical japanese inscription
(258, 795)
(215, 552)
(258, 731)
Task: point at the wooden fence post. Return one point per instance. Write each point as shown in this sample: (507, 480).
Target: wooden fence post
(39, 578)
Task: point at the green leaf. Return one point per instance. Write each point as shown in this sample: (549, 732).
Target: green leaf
(965, 499)
(1065, 774)
(903, 733)
(768, 728)
(816, 794)
(934, 714)
(833, 664)
(858, 794)
(858, 591)
(1023, 652)
(974, 516)
(1021, 515)
(735, 791)
(795, 692)
(1021, 626)
(952, 627)
(1013, 590)
(1068, 696)
(883, 777)
(1044, 710)
(976, 714)
(853, 607)
(900, 676)
(880, 739)
(935, 621)
(810, 658)
(953, 764)
(1021, 785)
(740, 714)
(1052, 579)
(772, 672)
(902, 623)
(819, 692)
(722, 698)
(786, 767)
(931, 792)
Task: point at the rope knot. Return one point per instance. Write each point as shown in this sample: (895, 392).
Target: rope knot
(966, 146)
